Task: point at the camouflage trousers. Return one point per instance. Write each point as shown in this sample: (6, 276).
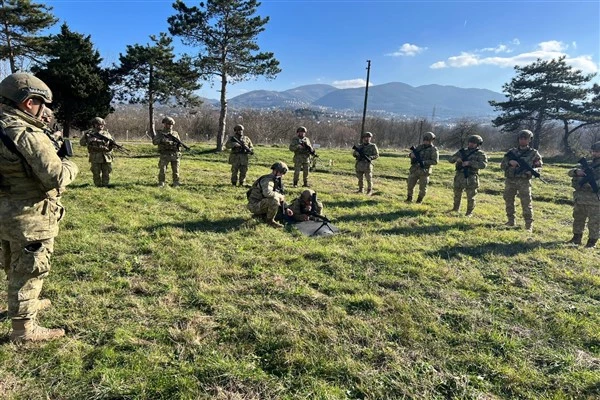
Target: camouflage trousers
(420, 176)
(242, 170)
(522, 188)
(304, 167)
(26, 265)
(101, 173)
(163, 163)
(591, 212)
(365, 174)
(468, 185)
(267, 206)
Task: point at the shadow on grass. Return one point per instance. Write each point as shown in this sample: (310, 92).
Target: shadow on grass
(429, 229)
(391, 216)
(218, 226)
(478, 251)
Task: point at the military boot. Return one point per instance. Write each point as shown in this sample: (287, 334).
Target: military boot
(369, 192)
(469, 213)
(274, 224)
(576, 239)
(233, 183)
(408, 199)
(27, 330)
(510, 222)
(295, 184)
(419, 200)
(529, 225)
(591, 243)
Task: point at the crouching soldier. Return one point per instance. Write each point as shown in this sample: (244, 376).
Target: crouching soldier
(307, 207)
(586, 198)
(266, 196)
(468, 162)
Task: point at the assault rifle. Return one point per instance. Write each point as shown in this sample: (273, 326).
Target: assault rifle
(313, 213)
(245, 149)
(310, 149)
(111, 143)
(362, 155)
(523, 166)
(417, 159)
(174, 139)
(590, 176)
(63, 146)
(464, 157)
(279, 187)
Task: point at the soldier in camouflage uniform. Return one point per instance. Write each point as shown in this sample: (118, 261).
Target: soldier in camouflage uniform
(468, 162)
(301, 147)
(420, 171)
(303, 206)
(238, 158)
(169, 151)
(586, 203)
(32, 178)
(518, 179)
(100, 151)
(366, 153)
(265, 197)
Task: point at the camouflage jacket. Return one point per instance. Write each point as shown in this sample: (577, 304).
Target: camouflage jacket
(99, 149)
(476, 157)
(166, 145)
(368, 149)
(267, 186)
(31, 181)
(530, 155)
(298, 206)
(237, 155)
(583, 190)
(300, 147)
(429, 155)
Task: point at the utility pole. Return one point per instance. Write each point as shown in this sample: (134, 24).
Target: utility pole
(362, 129)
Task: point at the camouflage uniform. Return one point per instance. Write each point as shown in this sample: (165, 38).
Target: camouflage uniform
(518, 182)
(100, 155)
(32, 178)
(300, 146)
(238, 158)
(169, 153)
(467, 178)
(300, 206)
(364, 168)
(586, 204)
(416, 173)
(265, 197)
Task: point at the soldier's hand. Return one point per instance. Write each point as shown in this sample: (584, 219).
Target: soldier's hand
(466, 163)
(289, 212)
(411, 154)
(513, 163)
(580, 172)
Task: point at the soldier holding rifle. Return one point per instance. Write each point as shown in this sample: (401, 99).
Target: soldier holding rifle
(468, 162)
(303, 151)
(169, 147)
(241, 147)
(365, 153)
(100, 144)
(422, 158)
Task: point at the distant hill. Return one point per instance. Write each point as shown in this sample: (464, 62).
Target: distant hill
(394, 98)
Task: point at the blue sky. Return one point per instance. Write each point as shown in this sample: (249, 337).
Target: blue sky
(469, 44)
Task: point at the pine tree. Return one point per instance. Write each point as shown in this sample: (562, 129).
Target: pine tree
(547, 91)
(150, 74)
(226, 33)
(20, 23)
(80, 86)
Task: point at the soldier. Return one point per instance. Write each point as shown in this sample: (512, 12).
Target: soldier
(518, 178)
(365, 153)
(303, 150)
(421, 159)
(33, 178)
(265, 197)
(586, 199)
(305, 208)
(241, 147)
(468, 163)
(98, 142)
(169, 151)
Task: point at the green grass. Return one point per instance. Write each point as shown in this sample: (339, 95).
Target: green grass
(178, 294)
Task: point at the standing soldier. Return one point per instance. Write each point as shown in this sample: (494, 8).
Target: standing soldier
(303, 150)
(33, 178)
(241, 147)
(98, 142)
(518, 165)
(266, 196)
(468, 162)
(168, 143)
(586, 181)
(422, 158)
(365, 153)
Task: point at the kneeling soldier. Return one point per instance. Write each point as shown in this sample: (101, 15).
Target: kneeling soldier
(306, 207)
(265, 197)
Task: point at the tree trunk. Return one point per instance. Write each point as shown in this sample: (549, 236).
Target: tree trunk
(223, 114)
(537, 131)
(566, 147)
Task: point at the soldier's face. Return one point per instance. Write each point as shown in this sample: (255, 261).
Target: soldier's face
(239, 132)
(596, 153)
(471, 145)
(168, 126)
(301, 134)
(523, 141)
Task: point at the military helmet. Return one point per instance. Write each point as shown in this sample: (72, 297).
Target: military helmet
(596, 146)
(280, 166)
(238, 127)
(429, 136)
(367, 134)
(168, 120)
(20, 87)
(301, 129)
(98, 121)
(475, 139)
(525, 133)
(307, 194)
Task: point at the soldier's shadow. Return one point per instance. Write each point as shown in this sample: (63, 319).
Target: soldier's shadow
(429, 229)
(218, 226)
(386, 217)
(480, 251)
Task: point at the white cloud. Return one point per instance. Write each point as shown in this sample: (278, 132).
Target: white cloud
(545, 51)
(501, 48)
(407, 49)
(350, 83)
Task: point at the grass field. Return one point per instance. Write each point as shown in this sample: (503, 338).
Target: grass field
(176, 293)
